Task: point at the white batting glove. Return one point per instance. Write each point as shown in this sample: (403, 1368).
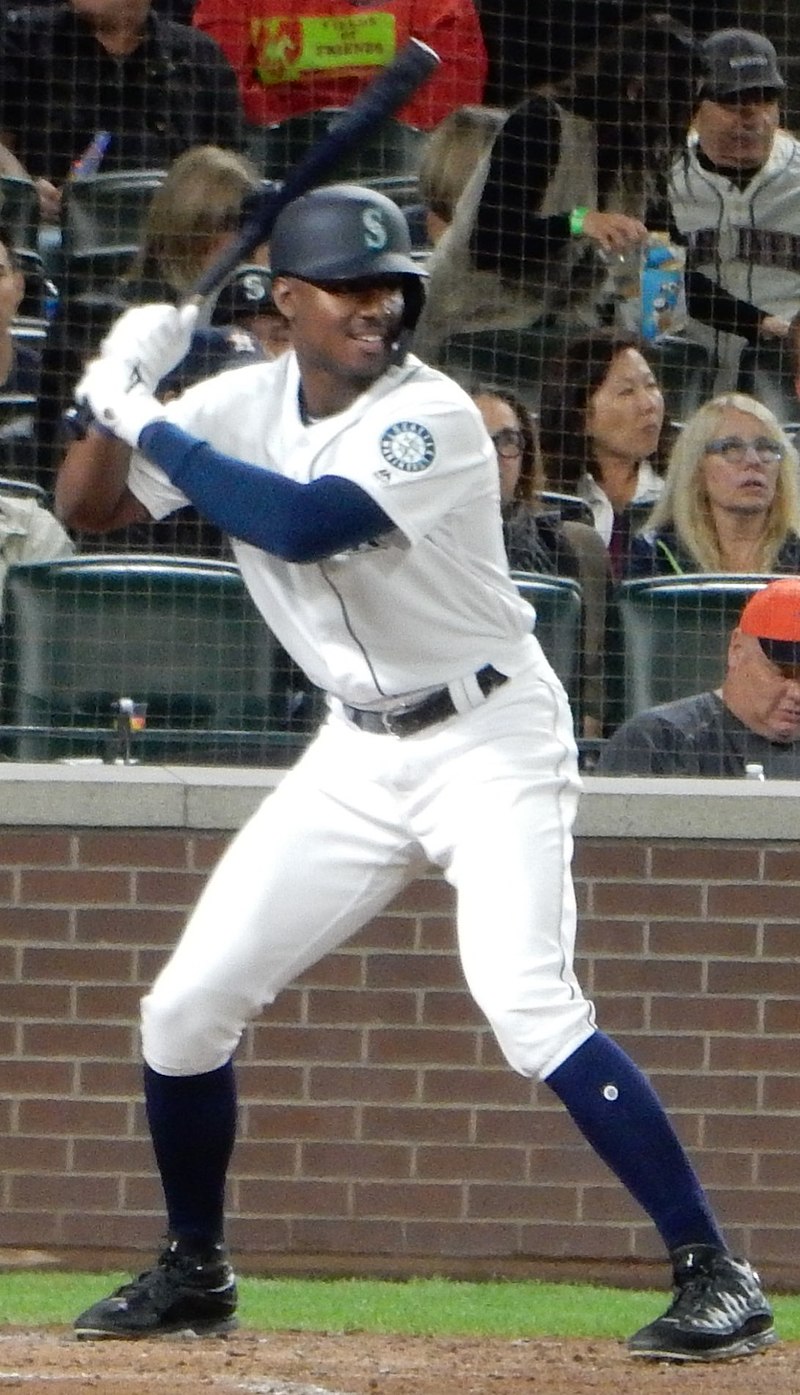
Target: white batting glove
(118, 399)
(151, 339)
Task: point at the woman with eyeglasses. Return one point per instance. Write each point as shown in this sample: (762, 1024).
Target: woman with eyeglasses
(730, 500)
(534, 540)
(538, 541)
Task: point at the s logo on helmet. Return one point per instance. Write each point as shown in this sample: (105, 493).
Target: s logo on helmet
(409, 446)
(375, 233)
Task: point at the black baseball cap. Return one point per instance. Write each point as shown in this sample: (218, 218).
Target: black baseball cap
(246, 294)
(739, 60)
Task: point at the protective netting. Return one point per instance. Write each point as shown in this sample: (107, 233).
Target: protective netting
(607, 199)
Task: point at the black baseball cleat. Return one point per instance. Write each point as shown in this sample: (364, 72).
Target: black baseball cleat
(186, 1292)
(718, 1311)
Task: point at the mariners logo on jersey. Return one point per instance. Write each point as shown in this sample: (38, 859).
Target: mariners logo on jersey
(409, 446)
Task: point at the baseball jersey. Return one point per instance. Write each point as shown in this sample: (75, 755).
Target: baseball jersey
(430, 601)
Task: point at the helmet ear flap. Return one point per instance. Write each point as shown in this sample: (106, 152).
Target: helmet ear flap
(414, 299)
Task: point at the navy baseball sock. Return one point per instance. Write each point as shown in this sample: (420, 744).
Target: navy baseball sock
(192, 1120)
(620, 1115)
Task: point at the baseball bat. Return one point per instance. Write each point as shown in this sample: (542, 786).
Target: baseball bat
(390, 89)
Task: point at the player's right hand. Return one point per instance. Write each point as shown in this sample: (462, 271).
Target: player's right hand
(151, 339)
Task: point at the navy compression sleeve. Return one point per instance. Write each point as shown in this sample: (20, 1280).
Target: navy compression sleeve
(298, 522)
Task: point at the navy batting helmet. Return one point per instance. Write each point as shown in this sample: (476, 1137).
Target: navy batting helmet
(347, 232)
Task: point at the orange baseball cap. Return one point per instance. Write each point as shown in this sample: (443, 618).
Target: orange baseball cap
(772, 615)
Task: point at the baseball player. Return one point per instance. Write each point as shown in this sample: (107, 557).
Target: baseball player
(359, 487)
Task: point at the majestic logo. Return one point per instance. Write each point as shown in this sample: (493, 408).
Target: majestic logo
(408, 446)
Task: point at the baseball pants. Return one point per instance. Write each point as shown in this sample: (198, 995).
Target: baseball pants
(489, 796)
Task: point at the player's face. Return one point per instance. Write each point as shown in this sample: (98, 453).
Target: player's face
(500, 421)
(344, 331)
(738, 133)
(746, 486)
(764, 695)
(625, 414)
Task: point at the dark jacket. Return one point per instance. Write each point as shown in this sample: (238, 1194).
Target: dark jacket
(661, 553)
(60, 88)
(536, 543)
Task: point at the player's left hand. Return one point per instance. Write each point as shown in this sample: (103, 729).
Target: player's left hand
(118, 399)
(151, 339)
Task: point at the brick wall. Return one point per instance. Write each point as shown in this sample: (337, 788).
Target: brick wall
(378, 1118)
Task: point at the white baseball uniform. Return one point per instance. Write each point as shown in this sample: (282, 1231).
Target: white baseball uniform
(489, 795)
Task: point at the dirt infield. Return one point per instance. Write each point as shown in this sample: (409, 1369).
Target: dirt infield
(52, 1362)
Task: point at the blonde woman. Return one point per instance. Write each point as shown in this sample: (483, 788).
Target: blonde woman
(192, 217)
(730, 501)
(450, 155)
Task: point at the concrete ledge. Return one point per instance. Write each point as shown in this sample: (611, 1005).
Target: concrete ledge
(206, 797)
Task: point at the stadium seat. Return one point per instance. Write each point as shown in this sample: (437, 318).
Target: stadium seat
(19, 213)
(558, 603)
(103, 216)
(765, 372)
(569, 507)
(392, 151)
(178, 634)
(685, 372)
(519, 358)
(514, 358)
(18, 444)
(675, 633)
(23, 489)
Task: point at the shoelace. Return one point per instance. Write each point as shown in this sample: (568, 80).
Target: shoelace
(690, 1293)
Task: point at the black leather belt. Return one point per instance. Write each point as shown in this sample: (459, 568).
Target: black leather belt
(436, 707)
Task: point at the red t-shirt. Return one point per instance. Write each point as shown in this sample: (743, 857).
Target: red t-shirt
(292, 57)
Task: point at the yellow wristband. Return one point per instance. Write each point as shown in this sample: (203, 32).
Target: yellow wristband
(577, 218)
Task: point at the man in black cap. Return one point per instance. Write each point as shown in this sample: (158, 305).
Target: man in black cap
(735, 199)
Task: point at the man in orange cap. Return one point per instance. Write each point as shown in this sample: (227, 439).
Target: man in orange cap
(752, 719)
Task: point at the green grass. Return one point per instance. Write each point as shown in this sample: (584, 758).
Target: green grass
(420, 1306)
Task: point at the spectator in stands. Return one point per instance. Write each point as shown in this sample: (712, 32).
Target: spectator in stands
(108, 83)
(533, 538)
(29, 532)
(730, 499)
(534, 44)
(601, 419)
(450, 155)
(753, 719)
(536, 538)
(246, 302)
(19, 365)
(192, 217)
(566, 186)
(735, 200)
(295, 56)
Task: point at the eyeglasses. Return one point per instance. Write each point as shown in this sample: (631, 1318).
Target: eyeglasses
(508, 442)
(734, 450)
